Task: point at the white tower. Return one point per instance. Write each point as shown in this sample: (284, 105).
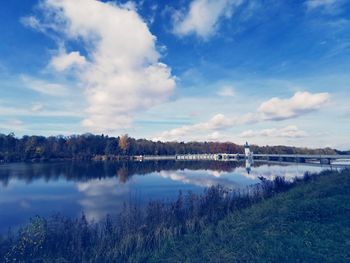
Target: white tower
(248, 157)
(248, 154)
(246, 150)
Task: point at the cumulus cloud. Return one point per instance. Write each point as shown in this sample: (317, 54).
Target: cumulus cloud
(217, 122)
(300, 103)
(290, 131)
(44, 87)
(122, 72)
(203, 16)
(64, 61)
(226, 91)
(275, 109)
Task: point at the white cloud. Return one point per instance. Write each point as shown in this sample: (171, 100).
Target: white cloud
(32, 22)
(129, 5)
(36, 107)
(320, 3)
(218, 122)
(275, 109)
(203, 17)
(290, 131)
(13, 125)
(44, 87)
(123, 75)
(300, 103)
(327, 6)
(37, 110)
(226, 91)
(65, 60)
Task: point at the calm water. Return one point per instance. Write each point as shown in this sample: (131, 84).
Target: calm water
(99, 189)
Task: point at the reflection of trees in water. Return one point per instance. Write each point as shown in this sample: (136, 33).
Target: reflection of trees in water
(83, 171)
(122, 174)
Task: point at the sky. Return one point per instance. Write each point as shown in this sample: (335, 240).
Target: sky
(268, 72)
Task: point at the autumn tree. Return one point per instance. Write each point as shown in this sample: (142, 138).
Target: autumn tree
(124, 143)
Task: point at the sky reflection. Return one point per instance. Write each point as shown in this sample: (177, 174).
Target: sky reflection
(98, 189)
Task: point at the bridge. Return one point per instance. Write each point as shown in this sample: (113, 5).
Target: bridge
(302, 158)
(248, 155)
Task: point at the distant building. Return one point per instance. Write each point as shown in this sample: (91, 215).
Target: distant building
(247, 150)
(248, 157)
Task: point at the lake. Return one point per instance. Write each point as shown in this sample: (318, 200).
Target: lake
(101, 188)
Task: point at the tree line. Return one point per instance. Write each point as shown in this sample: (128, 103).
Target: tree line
(87, 146)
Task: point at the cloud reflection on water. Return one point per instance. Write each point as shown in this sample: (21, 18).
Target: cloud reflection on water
(239, 176)
(270, 172)
(200, 178)
(99, 189)
(101, 197)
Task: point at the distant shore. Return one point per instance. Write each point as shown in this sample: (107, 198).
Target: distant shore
(100, 147)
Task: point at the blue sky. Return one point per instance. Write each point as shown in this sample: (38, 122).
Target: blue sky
(270, 72)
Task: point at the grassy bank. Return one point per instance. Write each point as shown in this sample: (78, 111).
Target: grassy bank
(309, 223)
(305, 220)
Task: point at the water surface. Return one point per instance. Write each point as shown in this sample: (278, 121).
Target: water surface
(98, 189)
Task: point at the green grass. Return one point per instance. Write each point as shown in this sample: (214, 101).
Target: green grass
(309, 223)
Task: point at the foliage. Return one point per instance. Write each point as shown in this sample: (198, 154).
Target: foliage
(124, 143)
(88, 146)
(310, 223)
